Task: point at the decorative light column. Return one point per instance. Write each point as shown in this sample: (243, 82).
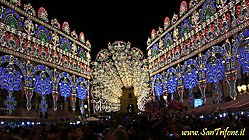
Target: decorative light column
(82, 109)
(180, 87)
(81, 92)
(171, 84)
(153, 89)
(28, 93)
(231, 69)
(190, 81)
(55, 93)
(214, 73)
(73, 97)
(231, 78)
(55, 98)
(202, 78)
(28, 89)
(202, 87)
(43, 86)
(243, 58)
(88, 97)
(10, 79)
(65, 90)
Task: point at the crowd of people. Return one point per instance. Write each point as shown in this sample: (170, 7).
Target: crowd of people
(159, 126)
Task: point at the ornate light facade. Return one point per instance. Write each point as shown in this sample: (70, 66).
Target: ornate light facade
(40, 56)
(205, 43)
(119, 66)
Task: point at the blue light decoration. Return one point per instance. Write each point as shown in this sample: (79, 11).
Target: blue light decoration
(155, 50)
(168, 40)
(171, 82)
(208, 9)
(65, 44)
(245, 33)
(81, 89)
(43, 86)
(10, 79)
(43, 33)
(63, 84)
(242, 55)
(43, 106)
(201, 76)
(230, 51)
(158, 87)
(190, 79)
(65, 89)
(10, 103)
(180, 82)
(243, 58)
(81, 92)
(171, 85)
(215, 71)
(185, 27)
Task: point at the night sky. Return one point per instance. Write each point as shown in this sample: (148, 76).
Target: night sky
(108, 21)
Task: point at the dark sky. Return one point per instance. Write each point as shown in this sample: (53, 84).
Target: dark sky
(104, 21)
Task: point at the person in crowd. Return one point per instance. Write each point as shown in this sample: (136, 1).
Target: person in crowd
(119, 134)
(162, 126)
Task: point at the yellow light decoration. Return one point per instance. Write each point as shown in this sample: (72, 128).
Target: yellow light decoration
(243, 87)
(165, 97)
(239, 88)
(120, 66)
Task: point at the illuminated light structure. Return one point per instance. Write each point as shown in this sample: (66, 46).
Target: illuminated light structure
(39, 57)
(203, 45)
(10, 79)
(43, 86)
(119, 66)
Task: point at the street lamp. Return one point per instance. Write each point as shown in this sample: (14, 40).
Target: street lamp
(239, 89)
(165, 97)
(85, 106)
(242, 89)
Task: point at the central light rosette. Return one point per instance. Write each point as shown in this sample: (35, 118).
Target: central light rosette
(119, 66)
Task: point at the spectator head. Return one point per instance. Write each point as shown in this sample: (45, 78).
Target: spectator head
(119, 134)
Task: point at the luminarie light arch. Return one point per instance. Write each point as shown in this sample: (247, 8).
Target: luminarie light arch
(117, 67)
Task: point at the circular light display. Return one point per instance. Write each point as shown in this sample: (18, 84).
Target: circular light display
(118, 67)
